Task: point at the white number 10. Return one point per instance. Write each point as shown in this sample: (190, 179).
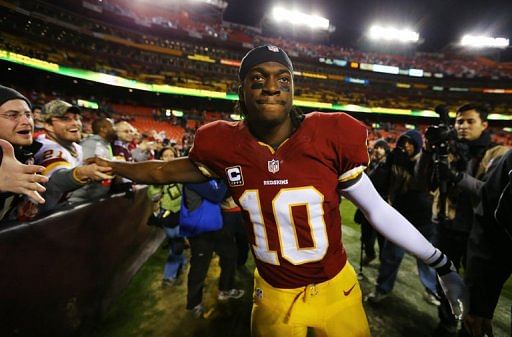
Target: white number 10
(282, 205)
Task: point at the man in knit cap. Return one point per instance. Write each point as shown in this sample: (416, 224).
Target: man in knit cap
(16, 128)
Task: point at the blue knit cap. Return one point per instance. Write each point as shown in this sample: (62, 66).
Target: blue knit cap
(258, 55)
(414, 137)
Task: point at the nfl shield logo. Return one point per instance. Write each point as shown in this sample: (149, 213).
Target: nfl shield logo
(273, 166)
(273, 48)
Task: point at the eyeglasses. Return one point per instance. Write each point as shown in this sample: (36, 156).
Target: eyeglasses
(16, 115)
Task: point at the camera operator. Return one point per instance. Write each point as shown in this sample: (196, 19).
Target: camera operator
(458, 176)
(489, 247)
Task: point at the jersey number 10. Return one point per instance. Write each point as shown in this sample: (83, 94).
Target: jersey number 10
(282, 206)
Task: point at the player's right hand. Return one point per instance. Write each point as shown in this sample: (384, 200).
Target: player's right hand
(19, 178)
(100, 161)
(94, 172)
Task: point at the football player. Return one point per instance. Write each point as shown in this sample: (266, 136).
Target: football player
(287, 171)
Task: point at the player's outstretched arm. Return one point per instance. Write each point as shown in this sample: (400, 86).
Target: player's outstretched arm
(392, 225)
(180, 170)
(16, 177)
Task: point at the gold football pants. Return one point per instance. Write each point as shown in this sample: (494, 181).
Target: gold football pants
(332, 309)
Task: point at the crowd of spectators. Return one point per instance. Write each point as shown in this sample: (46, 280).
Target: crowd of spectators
(63, 157)
(453, 65)
(154, 124)
(170, 19)
(125, 53)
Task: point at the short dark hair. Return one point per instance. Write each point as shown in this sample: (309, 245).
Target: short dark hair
(167, 148)
(97, 124)
(482, 109)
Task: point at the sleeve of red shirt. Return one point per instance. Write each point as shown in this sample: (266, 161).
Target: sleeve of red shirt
(351, 145)
(206, 144)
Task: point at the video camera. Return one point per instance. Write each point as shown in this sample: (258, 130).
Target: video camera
(439, 135)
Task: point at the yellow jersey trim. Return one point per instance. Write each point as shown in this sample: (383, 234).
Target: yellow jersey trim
(352, 174)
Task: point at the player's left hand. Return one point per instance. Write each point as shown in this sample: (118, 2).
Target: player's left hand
(478, 326)
(456, 293)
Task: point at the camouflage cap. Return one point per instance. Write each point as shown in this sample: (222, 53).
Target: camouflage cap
(58, 108)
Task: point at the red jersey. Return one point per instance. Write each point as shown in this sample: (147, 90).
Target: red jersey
(289, 196)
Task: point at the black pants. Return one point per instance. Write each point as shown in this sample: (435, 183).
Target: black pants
(454, 245)
(234, 222)
(202, 247)
(368, 235)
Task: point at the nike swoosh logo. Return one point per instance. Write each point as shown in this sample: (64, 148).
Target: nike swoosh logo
(347, 292)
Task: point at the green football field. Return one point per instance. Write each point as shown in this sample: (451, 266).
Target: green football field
(145, 309)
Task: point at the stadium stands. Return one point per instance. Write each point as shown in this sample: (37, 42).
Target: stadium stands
(66, 37)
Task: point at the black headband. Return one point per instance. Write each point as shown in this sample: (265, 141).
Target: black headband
(258, 55)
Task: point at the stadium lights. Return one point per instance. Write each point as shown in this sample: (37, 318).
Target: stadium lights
(379, 33)
(300, 19)
(480, 41)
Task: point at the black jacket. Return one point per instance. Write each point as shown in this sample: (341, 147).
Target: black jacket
(473, 159)
(490, 242)
(406, 192)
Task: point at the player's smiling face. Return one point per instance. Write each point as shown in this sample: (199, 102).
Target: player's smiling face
(267, 92)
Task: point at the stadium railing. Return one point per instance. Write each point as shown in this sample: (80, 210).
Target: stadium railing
(61, 272)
